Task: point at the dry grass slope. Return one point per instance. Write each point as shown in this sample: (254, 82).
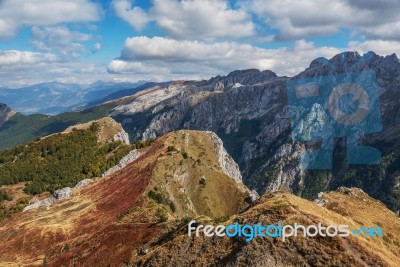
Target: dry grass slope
(119, 212)
(297, 251)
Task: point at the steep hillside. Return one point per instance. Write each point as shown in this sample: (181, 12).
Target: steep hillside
(60, 160)
(182, 174)
(348, 206)
(249, 110)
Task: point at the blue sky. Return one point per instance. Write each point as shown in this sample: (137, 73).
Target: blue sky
(82, 41)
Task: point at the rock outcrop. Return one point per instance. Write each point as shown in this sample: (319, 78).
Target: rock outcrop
(132, 156)
(107, 130)
(36, 203)
(62, 193)
(83, 183)
(226, 162)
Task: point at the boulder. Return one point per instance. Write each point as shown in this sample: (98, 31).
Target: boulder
(62, 193)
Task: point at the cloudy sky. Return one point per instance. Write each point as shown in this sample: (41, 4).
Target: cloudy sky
(83, 41)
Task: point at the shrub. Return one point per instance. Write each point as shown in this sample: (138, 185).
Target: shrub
(156, 196)
(67, 247)
(202, 181)
(172, 206)
(162, 214)
(5, 196)
(171, 149)
(186, 220)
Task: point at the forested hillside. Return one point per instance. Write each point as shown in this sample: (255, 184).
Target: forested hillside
(20, 128)
(59, 160)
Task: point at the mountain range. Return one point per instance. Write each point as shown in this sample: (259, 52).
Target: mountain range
(141, 208)
(53, 98)
(249, 111)
(205, 150)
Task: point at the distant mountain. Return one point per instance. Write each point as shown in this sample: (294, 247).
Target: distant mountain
(248, 109)
(54, 97)
(125, 92)
(138, 199)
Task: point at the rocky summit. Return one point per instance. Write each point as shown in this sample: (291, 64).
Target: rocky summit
(249, 111)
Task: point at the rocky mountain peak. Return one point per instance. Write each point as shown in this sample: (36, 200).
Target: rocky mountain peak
(107, 130)
(347, 62)
(244, 77)
(348, 56)
(250, 75)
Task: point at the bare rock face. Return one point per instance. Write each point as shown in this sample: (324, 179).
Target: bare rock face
(226, 162)
(5, 113)
(131, 157)
(230, 167)
(320, 201)
(35, 204)
(248, 110)
(60, 194)
(122, 136)
(83, 183)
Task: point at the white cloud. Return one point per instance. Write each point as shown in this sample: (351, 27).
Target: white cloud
(60, 39)
(15, 58)
(20, 68)
(135, 16)
(380, 47)
(306, 18)
(193, 59)
(14, 14)
(190, 19)
(388, 31)
(120, 66)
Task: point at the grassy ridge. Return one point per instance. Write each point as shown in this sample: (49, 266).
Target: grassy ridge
(21, 129)
(59, 160)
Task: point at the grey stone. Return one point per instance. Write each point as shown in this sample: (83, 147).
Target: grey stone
(83, 183)
(62, 193)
